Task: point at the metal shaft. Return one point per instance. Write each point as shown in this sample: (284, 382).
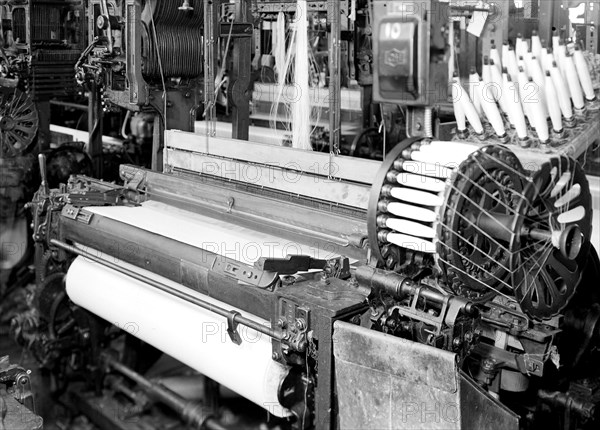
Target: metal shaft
(192, 413)
(236, 317)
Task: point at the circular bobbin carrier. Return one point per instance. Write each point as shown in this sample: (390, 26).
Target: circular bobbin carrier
(492, 228)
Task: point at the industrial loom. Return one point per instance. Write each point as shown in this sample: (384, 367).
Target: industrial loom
(452, 285)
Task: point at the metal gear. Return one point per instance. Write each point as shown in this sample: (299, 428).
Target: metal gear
(18, 121)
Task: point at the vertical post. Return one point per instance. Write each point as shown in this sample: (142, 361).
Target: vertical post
(335, 34)
(240, 77)
(158, 133)
(95, 125)
(210, 55)
(43, 140)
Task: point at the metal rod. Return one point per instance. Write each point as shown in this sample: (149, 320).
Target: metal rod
(69, 105)
(192, 413)
(237, 318)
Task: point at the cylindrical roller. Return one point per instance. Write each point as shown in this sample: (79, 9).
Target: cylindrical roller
(559, 57)
(562, 92)
(511, 64)
(495, 56)
(553, 104)
(584, 74)
(459, 113)
(538, 77)
(474, 91)
(469, 109)
(515, 109)
(536, 44)
(538, 117)
(418, 197)
(408, 211)
(169, 323)
(573, 82)
(417, 181)
(411, 242)
(420, 168)
(406, 226)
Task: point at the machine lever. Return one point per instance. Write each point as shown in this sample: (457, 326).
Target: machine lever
(290, 264)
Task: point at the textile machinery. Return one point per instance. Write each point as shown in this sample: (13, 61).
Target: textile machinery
(447, 283)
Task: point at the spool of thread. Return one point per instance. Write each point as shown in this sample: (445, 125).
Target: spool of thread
(549, 60)
(474, 92)
(511, 64)
(538, 117)
(459, 113)
(495, 56)
(494, 87)
(561, 90)
(506, 94)
(573, 82)
(486, 70)
(520, 46)
(553, 104)
(492, 114)
(515, 109)
(469, 110)
(522, 65)
(542, 59)
(526, 95)
(584, 74)
(555, 40)
(538, 78)
(505, 47)
(536, 44)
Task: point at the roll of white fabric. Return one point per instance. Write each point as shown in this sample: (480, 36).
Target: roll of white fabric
(192, 335)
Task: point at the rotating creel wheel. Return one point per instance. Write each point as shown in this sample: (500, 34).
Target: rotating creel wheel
(476, 261)
(555, 250)
(18, 122)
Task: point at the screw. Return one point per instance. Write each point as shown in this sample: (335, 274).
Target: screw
(276, 356)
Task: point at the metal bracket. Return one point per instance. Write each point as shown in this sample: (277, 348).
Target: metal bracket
(137, 181)
(290, 264)
(232, 328)
(77, 214)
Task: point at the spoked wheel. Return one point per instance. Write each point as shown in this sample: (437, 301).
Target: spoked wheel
(555, 249)
(18, 121)
(474, 251)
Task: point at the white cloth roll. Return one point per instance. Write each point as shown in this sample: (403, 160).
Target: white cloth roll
(192, 335)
